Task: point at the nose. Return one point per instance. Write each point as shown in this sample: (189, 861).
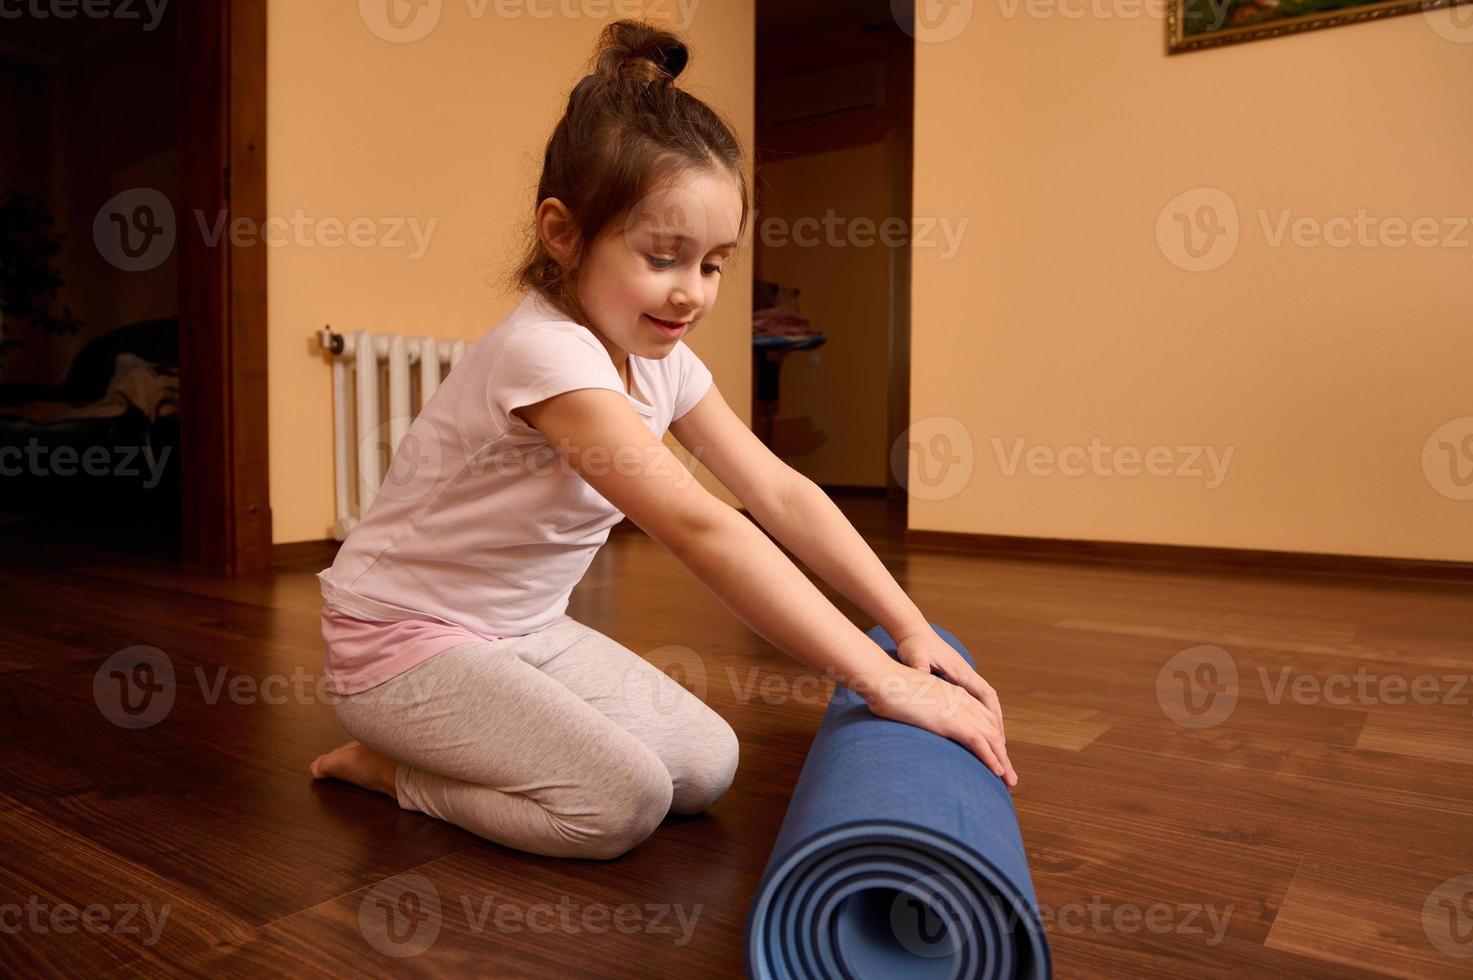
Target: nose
(687, 292)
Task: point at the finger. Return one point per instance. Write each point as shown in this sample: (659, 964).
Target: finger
(1012, 774)
(986, 740)
(979, 732)
(983, 749)
(964, 676)
(984, 733)
(989, 698)
(987, 694)
(999, 746)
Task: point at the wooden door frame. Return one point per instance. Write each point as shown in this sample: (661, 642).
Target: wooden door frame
(221, 115)
(900, 154)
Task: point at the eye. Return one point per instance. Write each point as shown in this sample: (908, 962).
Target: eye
(660, 263)
(710, 269)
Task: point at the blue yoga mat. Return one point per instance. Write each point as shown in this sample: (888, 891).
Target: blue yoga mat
(900, 856)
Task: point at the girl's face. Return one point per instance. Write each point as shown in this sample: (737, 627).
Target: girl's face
(648, 284)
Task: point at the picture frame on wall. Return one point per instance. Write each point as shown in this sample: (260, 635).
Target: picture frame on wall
(1194, 24)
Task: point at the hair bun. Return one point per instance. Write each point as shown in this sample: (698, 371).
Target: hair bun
(631, 49)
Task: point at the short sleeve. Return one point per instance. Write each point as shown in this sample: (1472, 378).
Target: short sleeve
(544, 361)
(693, 380)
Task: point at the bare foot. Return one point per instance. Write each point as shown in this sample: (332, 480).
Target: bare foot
(356, 763)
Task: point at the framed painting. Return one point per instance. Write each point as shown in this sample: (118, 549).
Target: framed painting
(1193, 24)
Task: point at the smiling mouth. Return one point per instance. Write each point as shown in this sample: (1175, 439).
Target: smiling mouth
(669, 324)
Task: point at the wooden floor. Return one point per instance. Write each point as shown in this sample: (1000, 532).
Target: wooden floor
(1301, 833)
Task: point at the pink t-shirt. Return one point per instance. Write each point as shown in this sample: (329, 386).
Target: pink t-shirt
(480, 530)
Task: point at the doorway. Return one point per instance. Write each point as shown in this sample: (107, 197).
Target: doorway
(831, 296)
(132, 346)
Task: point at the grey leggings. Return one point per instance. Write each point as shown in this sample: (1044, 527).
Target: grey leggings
(561, 742)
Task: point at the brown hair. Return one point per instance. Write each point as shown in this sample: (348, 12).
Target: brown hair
(627, 127)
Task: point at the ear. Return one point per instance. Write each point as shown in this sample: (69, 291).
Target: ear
(557, 230)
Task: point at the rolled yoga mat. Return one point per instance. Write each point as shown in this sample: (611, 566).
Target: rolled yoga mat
(900, 856)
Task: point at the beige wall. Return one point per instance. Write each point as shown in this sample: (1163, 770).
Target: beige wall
(1062, 320)
(448, 129)
(830, 423)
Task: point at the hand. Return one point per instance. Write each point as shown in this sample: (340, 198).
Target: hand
(926, 650)
(922, 699)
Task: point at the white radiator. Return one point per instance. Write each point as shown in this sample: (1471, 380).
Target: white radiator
(367, 426)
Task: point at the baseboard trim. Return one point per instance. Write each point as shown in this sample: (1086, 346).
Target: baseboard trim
(317, 551)
(1192, 557)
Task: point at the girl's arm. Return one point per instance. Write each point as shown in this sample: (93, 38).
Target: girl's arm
(811, 526)
(597, 433)
(803, 518)
(797, 512)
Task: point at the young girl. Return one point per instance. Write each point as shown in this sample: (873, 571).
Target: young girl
(471, 695)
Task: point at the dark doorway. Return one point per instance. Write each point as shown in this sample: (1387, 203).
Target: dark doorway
(831, 301)
(132, 357)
